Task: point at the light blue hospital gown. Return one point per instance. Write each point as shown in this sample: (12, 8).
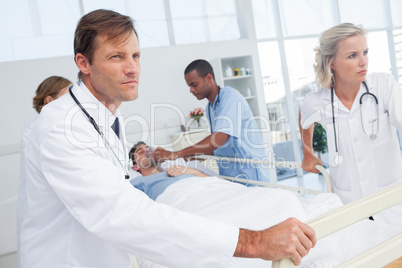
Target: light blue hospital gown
(231, 114)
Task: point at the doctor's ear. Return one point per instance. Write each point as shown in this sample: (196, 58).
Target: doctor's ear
(48, 99)
(82, 63)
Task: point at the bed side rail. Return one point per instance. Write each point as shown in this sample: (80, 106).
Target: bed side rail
(378, 256)
(266, 162)
(351, 213)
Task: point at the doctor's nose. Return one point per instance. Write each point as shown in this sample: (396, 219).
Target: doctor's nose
(363, 61)
(132, 66)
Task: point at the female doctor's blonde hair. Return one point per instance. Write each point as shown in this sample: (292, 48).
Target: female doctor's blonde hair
(325, 53)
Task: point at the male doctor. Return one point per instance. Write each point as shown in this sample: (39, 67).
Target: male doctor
(82, 212)
(234, 131)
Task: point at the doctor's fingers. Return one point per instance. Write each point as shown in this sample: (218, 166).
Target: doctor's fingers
(309, 164)
(160, 154)
(305, 244)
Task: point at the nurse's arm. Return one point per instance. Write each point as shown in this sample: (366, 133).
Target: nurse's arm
(309, 160)
(291, 239)
(207, 146)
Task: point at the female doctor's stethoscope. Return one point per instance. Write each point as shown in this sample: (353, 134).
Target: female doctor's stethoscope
(92, 121)
(373, 134)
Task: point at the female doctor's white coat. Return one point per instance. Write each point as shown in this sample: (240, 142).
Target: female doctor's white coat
(81, 212)
(368, 165)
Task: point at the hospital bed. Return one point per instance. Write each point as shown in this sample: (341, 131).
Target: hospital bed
(325, 225)
(342, 217)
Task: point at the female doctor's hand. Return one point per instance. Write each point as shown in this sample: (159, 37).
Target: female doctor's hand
(309, 162)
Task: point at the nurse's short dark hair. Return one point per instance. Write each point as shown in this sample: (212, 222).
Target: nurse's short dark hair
(133, 149)
(202, 67)
(100, 22)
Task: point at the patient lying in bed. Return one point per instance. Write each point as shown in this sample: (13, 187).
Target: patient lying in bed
(254, 208)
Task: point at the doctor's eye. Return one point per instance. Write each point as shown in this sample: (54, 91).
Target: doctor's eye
(352, 55)
(365, 52)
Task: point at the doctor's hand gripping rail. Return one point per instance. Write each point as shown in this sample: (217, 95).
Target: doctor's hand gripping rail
(349, 214)
(290, 165)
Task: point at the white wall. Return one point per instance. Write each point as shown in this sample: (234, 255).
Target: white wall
(161, 82)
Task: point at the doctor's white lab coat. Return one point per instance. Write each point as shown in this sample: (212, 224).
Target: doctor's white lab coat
(368, 165)
(81, 212)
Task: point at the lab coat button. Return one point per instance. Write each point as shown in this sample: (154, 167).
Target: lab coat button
(355, 139)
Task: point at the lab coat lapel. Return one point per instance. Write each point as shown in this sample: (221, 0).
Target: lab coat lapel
(356, 103)
(115, 143)
(104, 118)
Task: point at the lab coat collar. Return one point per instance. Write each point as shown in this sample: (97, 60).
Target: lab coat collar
(326, 95)
(102, 116)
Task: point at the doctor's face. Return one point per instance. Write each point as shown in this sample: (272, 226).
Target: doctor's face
(199, 87)
(351, 61)
(114, 73)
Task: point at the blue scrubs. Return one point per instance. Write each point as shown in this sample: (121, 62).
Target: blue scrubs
(231, 114)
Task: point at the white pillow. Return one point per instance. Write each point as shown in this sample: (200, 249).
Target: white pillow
(133, 174)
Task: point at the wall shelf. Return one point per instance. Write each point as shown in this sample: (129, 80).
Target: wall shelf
(237, 77)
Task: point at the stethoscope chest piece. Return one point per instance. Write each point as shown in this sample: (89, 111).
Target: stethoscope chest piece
(338, 159)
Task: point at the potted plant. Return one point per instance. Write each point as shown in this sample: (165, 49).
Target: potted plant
(196, 115)
(319, 140)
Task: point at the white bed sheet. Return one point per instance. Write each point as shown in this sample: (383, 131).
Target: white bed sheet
(258, 208)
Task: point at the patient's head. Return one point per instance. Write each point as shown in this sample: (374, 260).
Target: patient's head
(141, 156)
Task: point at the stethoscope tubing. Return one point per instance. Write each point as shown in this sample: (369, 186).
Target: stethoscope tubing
(218, 100)
(95, 125)
(367, 93)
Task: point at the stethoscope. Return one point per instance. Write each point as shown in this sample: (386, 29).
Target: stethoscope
(373, 135)
(218, 100)
(92, 121)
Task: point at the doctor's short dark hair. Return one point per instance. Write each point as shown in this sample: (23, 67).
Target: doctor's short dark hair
(100, 22)
(133, 149)
(202, 67)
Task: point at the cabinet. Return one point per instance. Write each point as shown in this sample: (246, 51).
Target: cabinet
(242, 80)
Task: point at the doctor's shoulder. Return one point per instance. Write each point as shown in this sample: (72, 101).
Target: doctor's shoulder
(230, 94)
(380, 80)
(382, 84)
(314, 99)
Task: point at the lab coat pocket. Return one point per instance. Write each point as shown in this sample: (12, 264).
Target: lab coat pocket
(386, 153)
(335, 159)
(384, 133)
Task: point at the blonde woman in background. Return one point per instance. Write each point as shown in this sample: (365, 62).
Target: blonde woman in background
(49, 90)
(364, 153)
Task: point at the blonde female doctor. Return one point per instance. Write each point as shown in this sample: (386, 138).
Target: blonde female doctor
(360, 113)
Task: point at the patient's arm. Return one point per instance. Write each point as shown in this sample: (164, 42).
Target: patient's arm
(289, 239)
(206, 146)
(180, 170)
